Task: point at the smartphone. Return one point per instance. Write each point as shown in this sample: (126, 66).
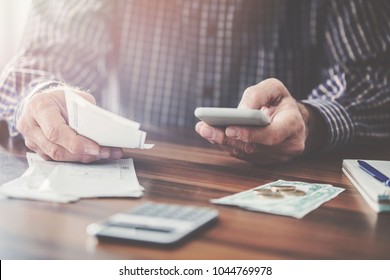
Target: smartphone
(217, 116)
(154, 223)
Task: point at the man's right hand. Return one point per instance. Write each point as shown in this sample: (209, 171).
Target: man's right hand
(43, 123)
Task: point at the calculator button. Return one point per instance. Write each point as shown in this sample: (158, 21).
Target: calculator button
(171, 211)
(154, 222)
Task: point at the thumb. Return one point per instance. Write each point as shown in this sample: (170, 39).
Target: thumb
(266, 93)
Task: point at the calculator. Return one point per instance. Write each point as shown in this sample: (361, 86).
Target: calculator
(156, 223)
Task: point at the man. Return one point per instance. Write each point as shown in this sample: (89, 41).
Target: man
(173, 56)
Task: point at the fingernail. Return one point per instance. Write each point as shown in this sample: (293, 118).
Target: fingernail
(236, 152)
(91, 151)
(207, 133)
(232, 132)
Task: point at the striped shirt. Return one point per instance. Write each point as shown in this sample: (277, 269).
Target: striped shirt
(167, 57)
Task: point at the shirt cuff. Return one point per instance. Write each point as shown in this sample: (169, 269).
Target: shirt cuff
(340, 126)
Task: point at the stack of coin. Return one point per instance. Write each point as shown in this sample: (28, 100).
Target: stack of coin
(279, 191)
(269, 193)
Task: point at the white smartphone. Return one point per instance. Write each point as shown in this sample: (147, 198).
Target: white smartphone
(217, 116)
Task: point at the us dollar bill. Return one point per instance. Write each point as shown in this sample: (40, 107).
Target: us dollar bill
(288, 198)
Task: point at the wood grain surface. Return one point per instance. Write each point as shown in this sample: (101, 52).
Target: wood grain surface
(183, 168)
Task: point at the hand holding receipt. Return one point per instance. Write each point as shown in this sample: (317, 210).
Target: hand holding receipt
(103, 127)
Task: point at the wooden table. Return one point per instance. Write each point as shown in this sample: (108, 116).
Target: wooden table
(183, 168)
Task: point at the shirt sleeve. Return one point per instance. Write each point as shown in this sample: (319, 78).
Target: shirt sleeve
(64, 42)
(354, 96)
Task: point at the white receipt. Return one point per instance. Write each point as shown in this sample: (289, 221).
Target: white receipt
(30, 186)
(68, 182)
(102, 126)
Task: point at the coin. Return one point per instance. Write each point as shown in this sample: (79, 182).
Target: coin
(269, 193)
(281, 188)
(264, 191)
(295, 193)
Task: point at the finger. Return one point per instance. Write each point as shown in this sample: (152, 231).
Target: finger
(285, 124)
(115, 153)
(267, 92)
(59, 153)
(36, 141)
(56, 130)
(217, 136)
(110, 153)
(236, 148)
(286, 121)
(35, 148)
(198, 126)
(273, 134)
(43, 146)
(269, 136)
(213, 134)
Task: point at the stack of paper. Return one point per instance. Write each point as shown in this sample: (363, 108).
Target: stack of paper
(67, 182)
(373, 191)
(104, 127)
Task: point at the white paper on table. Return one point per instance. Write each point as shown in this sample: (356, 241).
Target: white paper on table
(102, 126)
(109, 179)
(30, 186)
(67, 182)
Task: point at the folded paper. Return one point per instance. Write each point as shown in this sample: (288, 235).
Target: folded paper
(102, 126)
(68, 182)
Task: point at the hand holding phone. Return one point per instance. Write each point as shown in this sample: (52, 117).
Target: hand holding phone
(215, 116)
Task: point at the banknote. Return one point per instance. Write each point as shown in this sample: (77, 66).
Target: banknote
(288, 198)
